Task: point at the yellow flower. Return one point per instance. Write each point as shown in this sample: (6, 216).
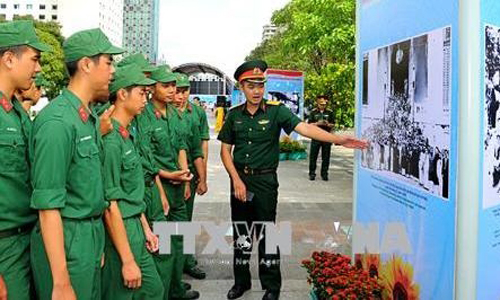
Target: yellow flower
(397, 279)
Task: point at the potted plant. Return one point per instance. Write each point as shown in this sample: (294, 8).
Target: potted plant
(332, 276)
(298, 151)
(285, 148)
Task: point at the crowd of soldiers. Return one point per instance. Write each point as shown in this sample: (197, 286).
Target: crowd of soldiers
(120, 148)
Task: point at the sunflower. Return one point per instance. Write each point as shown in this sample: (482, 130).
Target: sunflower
(369, 263)
(397, 279)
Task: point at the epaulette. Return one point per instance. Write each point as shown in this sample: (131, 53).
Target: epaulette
(274, 103)
(239, 106)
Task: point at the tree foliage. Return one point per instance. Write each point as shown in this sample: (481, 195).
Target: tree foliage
(52, 63)
(317, 37)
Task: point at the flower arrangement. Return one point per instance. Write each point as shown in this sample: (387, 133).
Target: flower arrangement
(290, 149)
(334, 277)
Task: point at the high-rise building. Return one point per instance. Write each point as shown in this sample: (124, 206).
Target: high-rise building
(43, 10)
(140, 27)
(73, 15)
(268, 32)
(79, 15)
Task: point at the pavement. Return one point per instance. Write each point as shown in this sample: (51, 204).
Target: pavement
(320, 213)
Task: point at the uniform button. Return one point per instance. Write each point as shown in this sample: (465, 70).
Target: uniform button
(249, 142)
(250, 129)
(248, 155)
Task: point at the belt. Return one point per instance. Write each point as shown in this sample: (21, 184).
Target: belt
(248, 171)
(15, 231)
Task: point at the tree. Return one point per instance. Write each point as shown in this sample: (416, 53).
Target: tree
(52, 62)
(317, 37)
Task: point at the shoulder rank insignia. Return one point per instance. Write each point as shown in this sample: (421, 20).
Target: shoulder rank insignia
(274, 103)
(157, 114)
(124, 132)
(84, 115)
(7, 106)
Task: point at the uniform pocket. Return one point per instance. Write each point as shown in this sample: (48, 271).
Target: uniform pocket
(130, 161)
(87, 149)
(13, 153)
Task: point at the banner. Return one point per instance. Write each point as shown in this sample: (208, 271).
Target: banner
(489, 200)
(405, 206)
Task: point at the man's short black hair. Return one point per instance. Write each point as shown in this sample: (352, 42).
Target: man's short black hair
(72, 66)
(196, 98)
(112, 97)
(323, 97)
(17, 50)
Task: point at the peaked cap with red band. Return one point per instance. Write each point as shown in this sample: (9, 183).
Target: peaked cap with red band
(253, 71)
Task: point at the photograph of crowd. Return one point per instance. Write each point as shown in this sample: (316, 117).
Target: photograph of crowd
(406, 111)
(491, 164)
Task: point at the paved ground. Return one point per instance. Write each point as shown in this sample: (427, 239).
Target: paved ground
(313, 208)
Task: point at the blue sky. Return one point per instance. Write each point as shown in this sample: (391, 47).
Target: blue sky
(217, 32)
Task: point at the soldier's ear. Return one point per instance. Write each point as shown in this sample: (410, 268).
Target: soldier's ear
(121, 95)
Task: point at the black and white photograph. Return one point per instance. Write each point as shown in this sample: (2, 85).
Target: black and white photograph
(491, 164)
(406, 111)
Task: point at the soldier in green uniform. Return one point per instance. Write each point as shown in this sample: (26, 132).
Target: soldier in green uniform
(168, 151)
(193, 126)
(129, 270)
(67, 243)
(19, 62)
(250, 153)
(324, 119)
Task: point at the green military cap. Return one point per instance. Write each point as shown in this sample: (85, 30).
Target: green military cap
(40, 80)
(253, 71)
(88, 43)
(127, 76)
(182, 80)
(163, 74)
(19, 33)
(139, 60)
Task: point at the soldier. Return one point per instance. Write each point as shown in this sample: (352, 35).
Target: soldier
(250, 153)
(168, 152)
(324, 119)
(129, 271)
(19, 62)
(194, 127)
(30, 97)
(68, 242)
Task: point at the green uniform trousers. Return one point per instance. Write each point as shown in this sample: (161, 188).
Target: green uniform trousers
(113, 286)
(262, 208)
(154, 213)
(326, 149)
(15, 266)
(190, 259)
(84, 247)
(175, 195)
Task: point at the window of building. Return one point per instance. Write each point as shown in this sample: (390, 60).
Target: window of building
(42, 6)
(41, 17)
(54, 6)
(29, 6)
(3, 5)
(54, 17)
(16, 6)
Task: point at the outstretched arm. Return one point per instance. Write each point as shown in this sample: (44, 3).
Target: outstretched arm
(319, 134)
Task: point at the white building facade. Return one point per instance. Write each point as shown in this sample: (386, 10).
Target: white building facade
(73, 15)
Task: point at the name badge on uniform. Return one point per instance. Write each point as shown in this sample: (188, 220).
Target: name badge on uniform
(263, 122)
(238, 122)
(85, 138)
(11, 129)
(128, 152)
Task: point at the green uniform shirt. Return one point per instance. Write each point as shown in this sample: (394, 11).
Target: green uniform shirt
(327, 115)
(140, 128)
(15, 127)
(65, 147)
(166, 137)
(190, 126)
(202, 122)
(256, 138)
(123, 178)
